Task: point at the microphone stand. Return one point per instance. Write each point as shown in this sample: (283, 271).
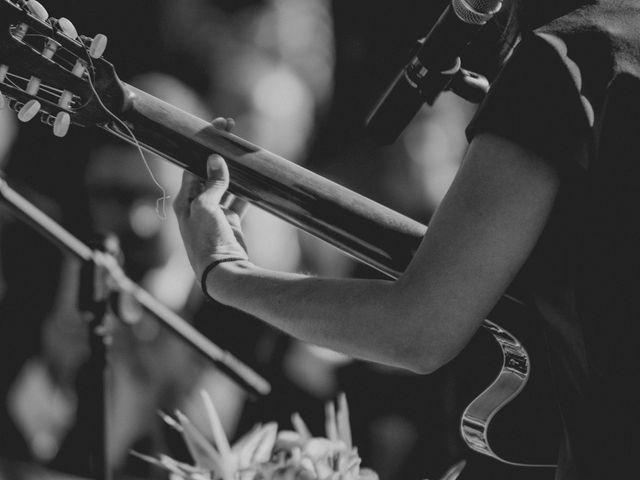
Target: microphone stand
(102, 277)
(95, 298)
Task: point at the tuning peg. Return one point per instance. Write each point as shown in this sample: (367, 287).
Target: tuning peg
(98, 46)
(50, 48)
(61, 124)
(37, 10)
(66, 96)
(79, 68)
(33, 86)
(66, 27)
(29, 110)
(3, 72)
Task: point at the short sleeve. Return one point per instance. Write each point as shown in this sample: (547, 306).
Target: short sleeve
(536, 102)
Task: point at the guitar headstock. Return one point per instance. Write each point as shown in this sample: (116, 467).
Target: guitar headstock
(48, 70)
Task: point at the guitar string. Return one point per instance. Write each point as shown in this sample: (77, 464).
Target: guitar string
(69, 64)
(44, 86)
(160, 202)
(54, 92)
(59, 59)
(46, 37)
(161, 209)
(49, 89)
(11, 82)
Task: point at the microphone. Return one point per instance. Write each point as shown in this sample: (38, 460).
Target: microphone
(433, 67)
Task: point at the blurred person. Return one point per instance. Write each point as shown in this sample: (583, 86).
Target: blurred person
(49, 172)
(152, 368)
(542, 199)
(270, 66)
(412, 428)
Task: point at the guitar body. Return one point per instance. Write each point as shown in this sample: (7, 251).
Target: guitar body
(511, 420)
(515, 418)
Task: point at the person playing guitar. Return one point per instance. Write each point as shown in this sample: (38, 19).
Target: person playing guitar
(545, 198)
(543, 204)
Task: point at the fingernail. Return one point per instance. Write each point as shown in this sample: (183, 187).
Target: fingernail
(215, 162)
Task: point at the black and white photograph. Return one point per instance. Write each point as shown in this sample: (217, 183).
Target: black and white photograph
(319, 240)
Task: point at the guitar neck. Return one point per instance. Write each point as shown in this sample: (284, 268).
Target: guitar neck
(360, 227)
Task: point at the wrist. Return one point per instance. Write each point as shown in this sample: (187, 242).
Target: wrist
(219, 277)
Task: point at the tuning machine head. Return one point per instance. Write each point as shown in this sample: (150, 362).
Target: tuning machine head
(96, 46)
(29, 110)
(48, 70)
(37, 10)
(61, 124)
(68, 28)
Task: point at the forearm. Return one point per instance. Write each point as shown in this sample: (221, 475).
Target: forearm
(356, 317)
(482, 234)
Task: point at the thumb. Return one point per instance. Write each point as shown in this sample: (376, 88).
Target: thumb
(217, 178)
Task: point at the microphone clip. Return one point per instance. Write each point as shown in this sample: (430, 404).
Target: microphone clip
(416, 85)
(430, 83)
(468, 85)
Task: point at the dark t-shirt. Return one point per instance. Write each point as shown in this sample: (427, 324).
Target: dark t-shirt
(571, 92)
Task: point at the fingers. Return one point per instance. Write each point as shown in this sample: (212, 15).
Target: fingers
(226, 124)
(234, 204)
(211, 192)
(208, 194)
(190, 188)
(217, 182)
(234, 221)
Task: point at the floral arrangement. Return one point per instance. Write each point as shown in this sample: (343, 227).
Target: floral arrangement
(265, 453)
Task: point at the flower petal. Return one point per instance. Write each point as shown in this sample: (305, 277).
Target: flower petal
(344, 428)
(219, 437)
(331, 427)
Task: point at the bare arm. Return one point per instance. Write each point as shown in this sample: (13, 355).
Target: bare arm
(479, 238)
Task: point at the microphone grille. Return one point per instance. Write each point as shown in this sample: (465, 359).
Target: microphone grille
(476, 12)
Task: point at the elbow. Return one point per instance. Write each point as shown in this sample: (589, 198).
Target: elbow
(424, 356)
(425, 368)
(424, 345)
(424, 365)
(426, 361)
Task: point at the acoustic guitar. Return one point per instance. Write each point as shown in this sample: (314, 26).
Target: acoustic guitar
(50, 72)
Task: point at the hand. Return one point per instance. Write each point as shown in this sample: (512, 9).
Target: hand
(210, 231)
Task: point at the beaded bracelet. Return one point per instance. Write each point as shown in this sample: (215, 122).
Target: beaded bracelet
(211, 266)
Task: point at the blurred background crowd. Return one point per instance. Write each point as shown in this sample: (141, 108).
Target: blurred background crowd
(299, 77)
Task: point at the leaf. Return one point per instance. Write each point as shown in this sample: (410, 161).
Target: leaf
(287, 440)
(146, 458)
(331, 427)
(246, 446)
(266, 442)
(454, 472)
(344, 428)
(300, 426)
(219, 437)
(240, 444)
(201, 450)
(169, 420)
